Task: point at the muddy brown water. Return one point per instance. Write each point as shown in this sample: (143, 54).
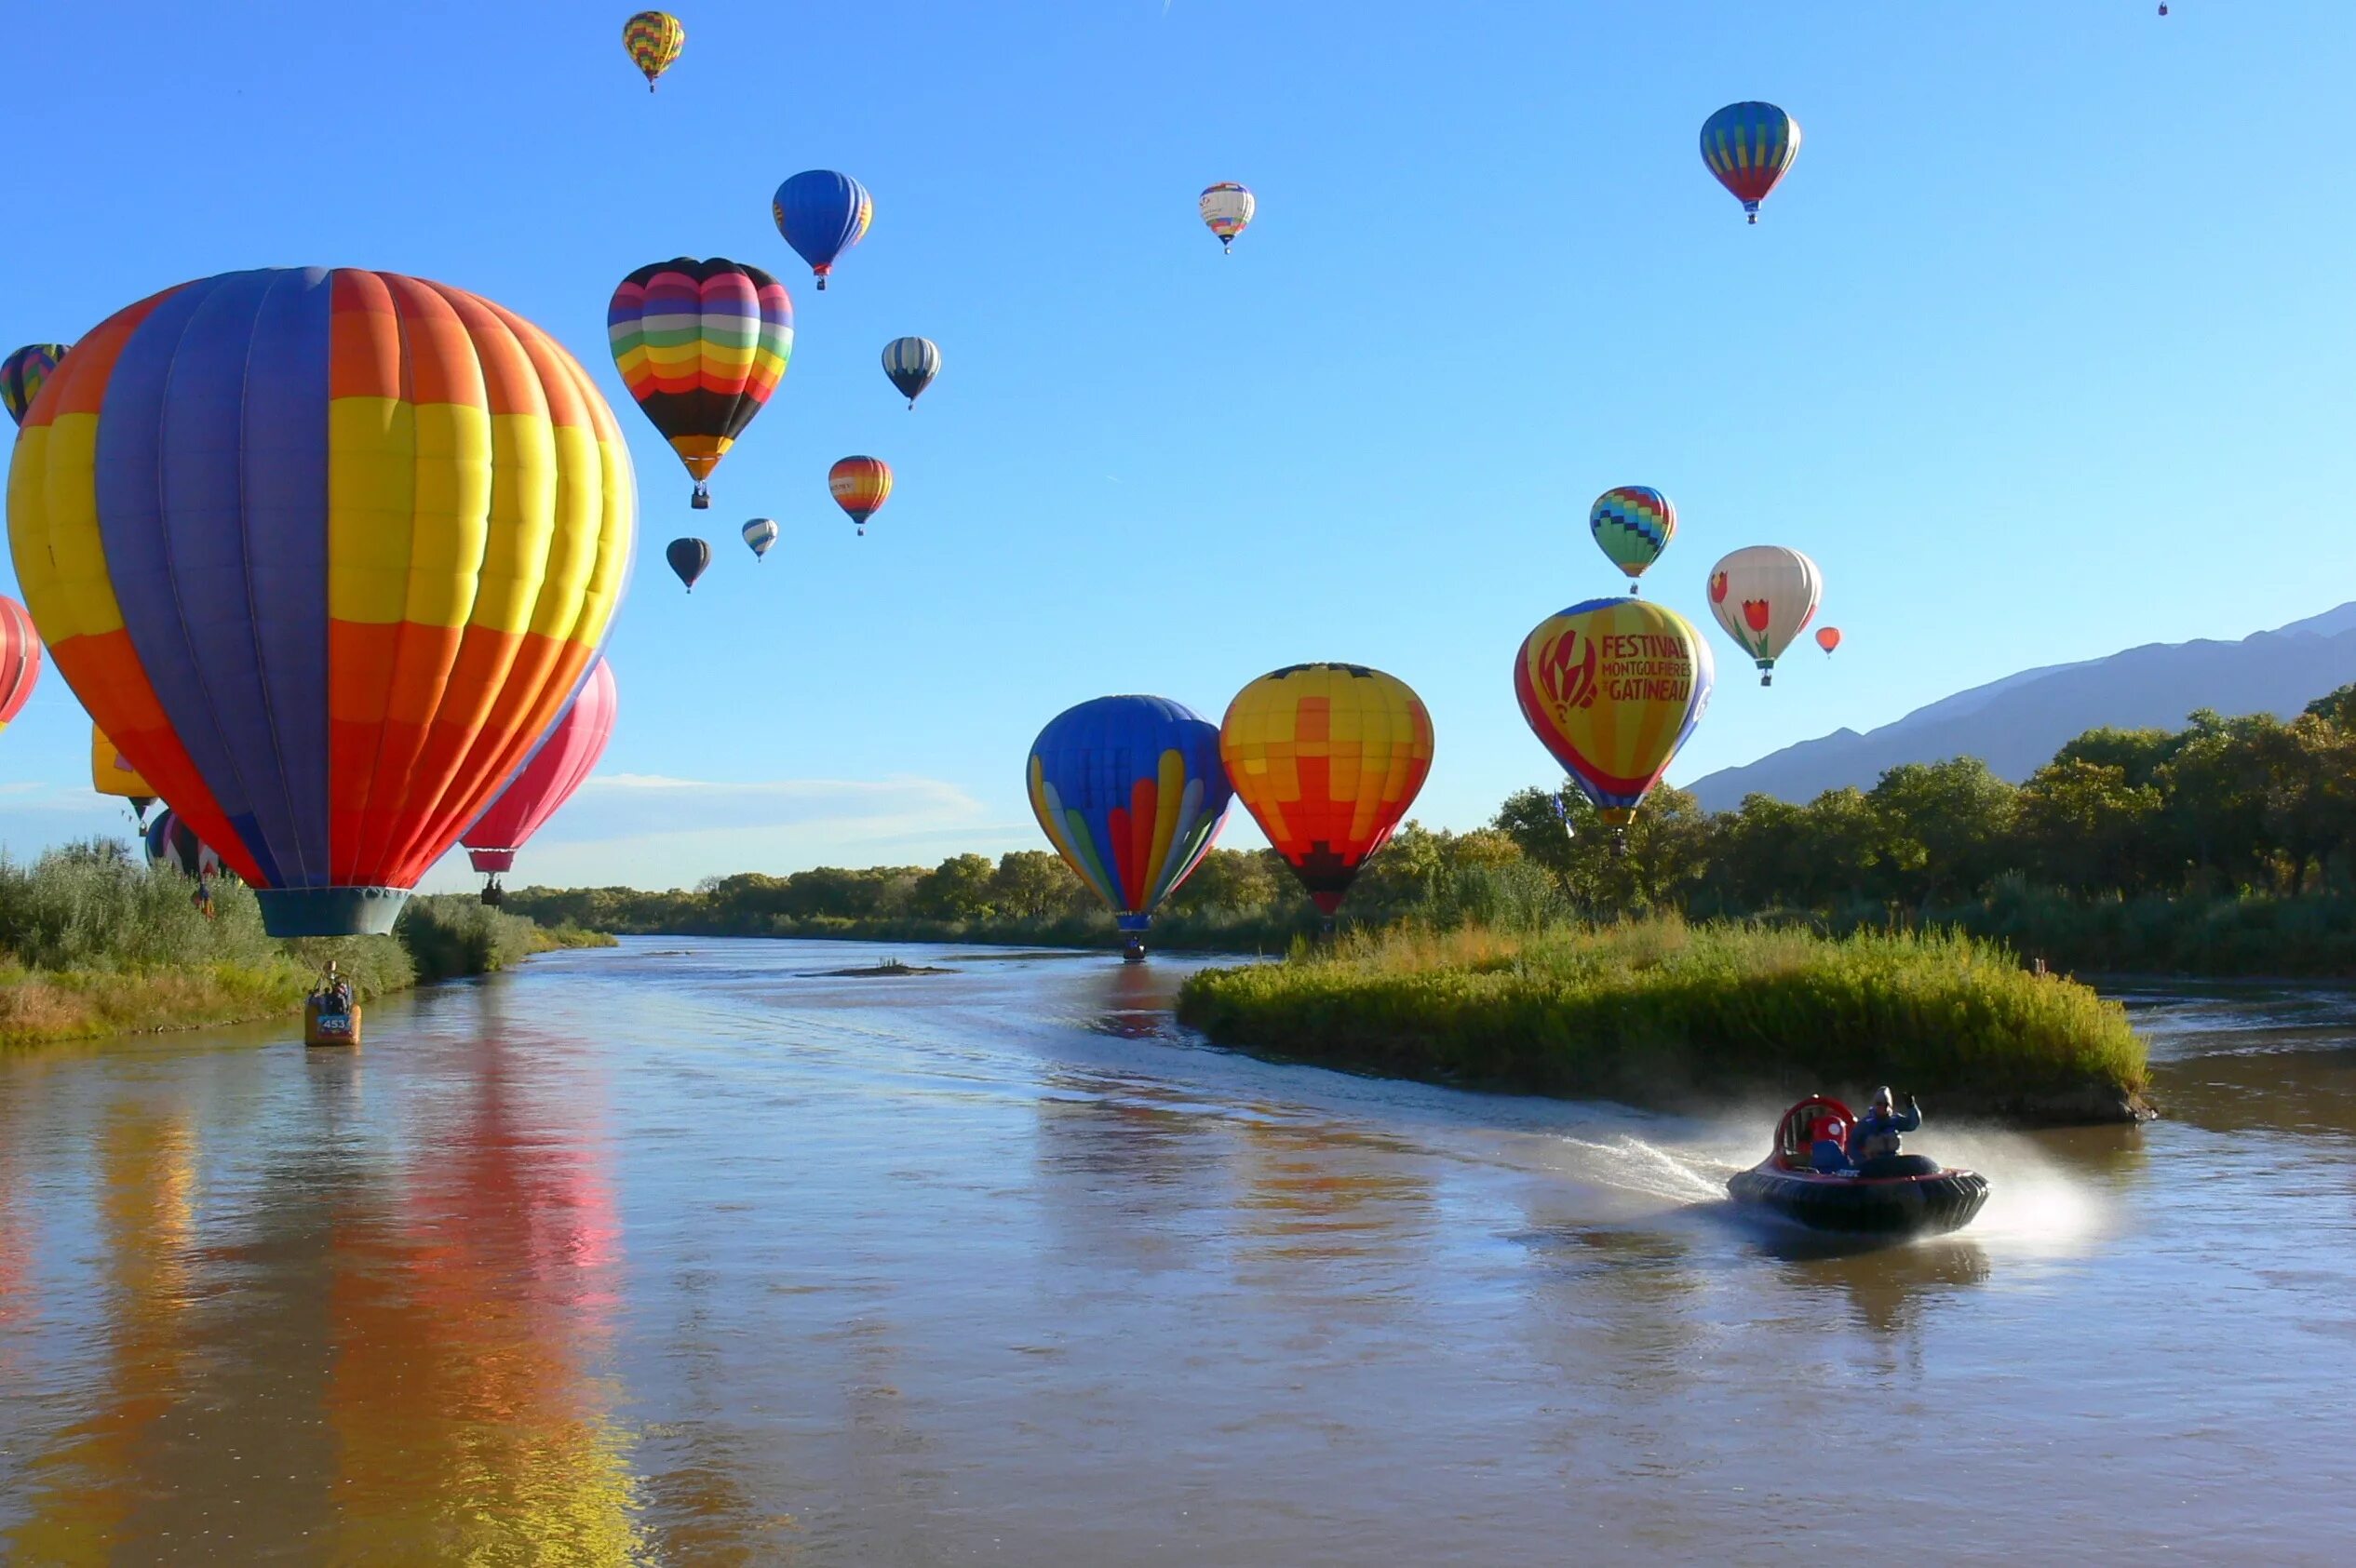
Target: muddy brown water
(687, 1255)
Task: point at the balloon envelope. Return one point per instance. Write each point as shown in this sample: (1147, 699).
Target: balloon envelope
(1131, 793)
(20, 660)
(1828, 637)
(700, 345)
(821, 214)
(1327, 758)
(23, 374)
(654, 40)
(1227, 210)
(688, 558)
(1633, 524)
(169, 841)
(911, 363)
(546, 782)
(1763, 596)
(1749, 146)
(860, 486)
(1613, 688)
(111, 772)
(348, 543)
(761, 533)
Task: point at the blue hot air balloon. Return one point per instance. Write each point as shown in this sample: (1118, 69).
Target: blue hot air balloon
(1131, 792)
(821, 214)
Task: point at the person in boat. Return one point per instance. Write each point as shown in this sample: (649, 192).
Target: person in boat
(1830, 1154)
(1876, 1135)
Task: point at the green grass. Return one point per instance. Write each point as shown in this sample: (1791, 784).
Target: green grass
(1660, 1011)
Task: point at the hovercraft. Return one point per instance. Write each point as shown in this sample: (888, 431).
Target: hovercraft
(1895, 1195)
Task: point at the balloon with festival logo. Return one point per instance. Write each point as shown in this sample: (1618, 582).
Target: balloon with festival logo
(1613, 688)
(1763, 596)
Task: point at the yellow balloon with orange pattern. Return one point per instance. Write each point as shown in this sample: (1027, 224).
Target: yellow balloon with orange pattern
(1613, 688)
(1327, 758)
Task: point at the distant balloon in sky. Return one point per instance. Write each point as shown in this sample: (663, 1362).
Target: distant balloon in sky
(20, 660)
(169, 841)
(860, 486)
(700, 345)
(1227, 208)
(821, 214)
(546, 782)
(1764, 596)
(653, 39)
(1131, 793)
(325, 552)
(1327, 758)
(1828, 638)
(1633, 524)
(761, 533)
(22, 375)
(110, 774)
(1613, 688)
(911, 363)
(688, 558)
(1749, 147)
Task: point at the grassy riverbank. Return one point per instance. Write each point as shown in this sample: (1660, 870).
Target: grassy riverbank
(93, 945)
(1662, 1013)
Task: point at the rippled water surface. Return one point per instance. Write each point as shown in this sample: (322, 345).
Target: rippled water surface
(691, 1253)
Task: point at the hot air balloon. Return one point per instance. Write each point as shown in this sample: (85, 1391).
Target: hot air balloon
(688, 558)
(110, 774)
(1633, 524)
(169, 841)
(1765, 596)
(22, 375)
(1131, 793)
(911, 363)
(860, 486)
(1227, 210)
(1749, 146)
(349, 541)
(546, 782)
(1327, 758)
(759, 533)
(653, 39)
(821, 214)
(20, 660)
(1613, 688)
(1828, 638)
(700, 345)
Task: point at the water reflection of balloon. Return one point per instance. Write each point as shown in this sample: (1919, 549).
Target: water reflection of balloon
(688, 558)
(546, 782)
(821, 214)
(1749, 147)
(348, 543)
(654, 40)
(700, 345)
(23, 374)
(911, 363)
(20, 660)
(860, 486)
(1613, 688)
(1633, 524)
(1327, 758)
(1763, 596)
(1227, 210)
(1131, 793)
(761, 533)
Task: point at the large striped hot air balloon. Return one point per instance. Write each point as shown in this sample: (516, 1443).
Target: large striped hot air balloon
(110, 773)
(654, 40)
(1327, 758)
(22, 375)
(860, 486)
(821, 214)
(326, 551)
(700, 345)
(1613, 688)
(1131, 793)
(20, 660)
(1633, 524)
(546, 782)
(1763, 596)
(1749, 146)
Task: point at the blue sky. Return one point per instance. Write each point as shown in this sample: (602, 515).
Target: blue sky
(2042, 349)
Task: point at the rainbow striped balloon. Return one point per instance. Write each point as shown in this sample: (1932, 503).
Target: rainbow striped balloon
(1131, 792)
(325, 552)
(700, 345)
(22, 375)
(1633, 524)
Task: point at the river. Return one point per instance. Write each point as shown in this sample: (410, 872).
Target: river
(693, 1253)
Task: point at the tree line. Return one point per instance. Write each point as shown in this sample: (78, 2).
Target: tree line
(2230, 808)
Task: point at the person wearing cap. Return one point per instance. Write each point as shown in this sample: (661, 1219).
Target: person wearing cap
(1827, 1156)
(1875, 1134)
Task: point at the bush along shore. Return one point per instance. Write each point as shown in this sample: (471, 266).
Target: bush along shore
(92, 944)
(1659, 1012)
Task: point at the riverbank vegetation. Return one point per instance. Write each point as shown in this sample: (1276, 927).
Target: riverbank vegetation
(91, 943)
(2227, 846)
(1658, 1012)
